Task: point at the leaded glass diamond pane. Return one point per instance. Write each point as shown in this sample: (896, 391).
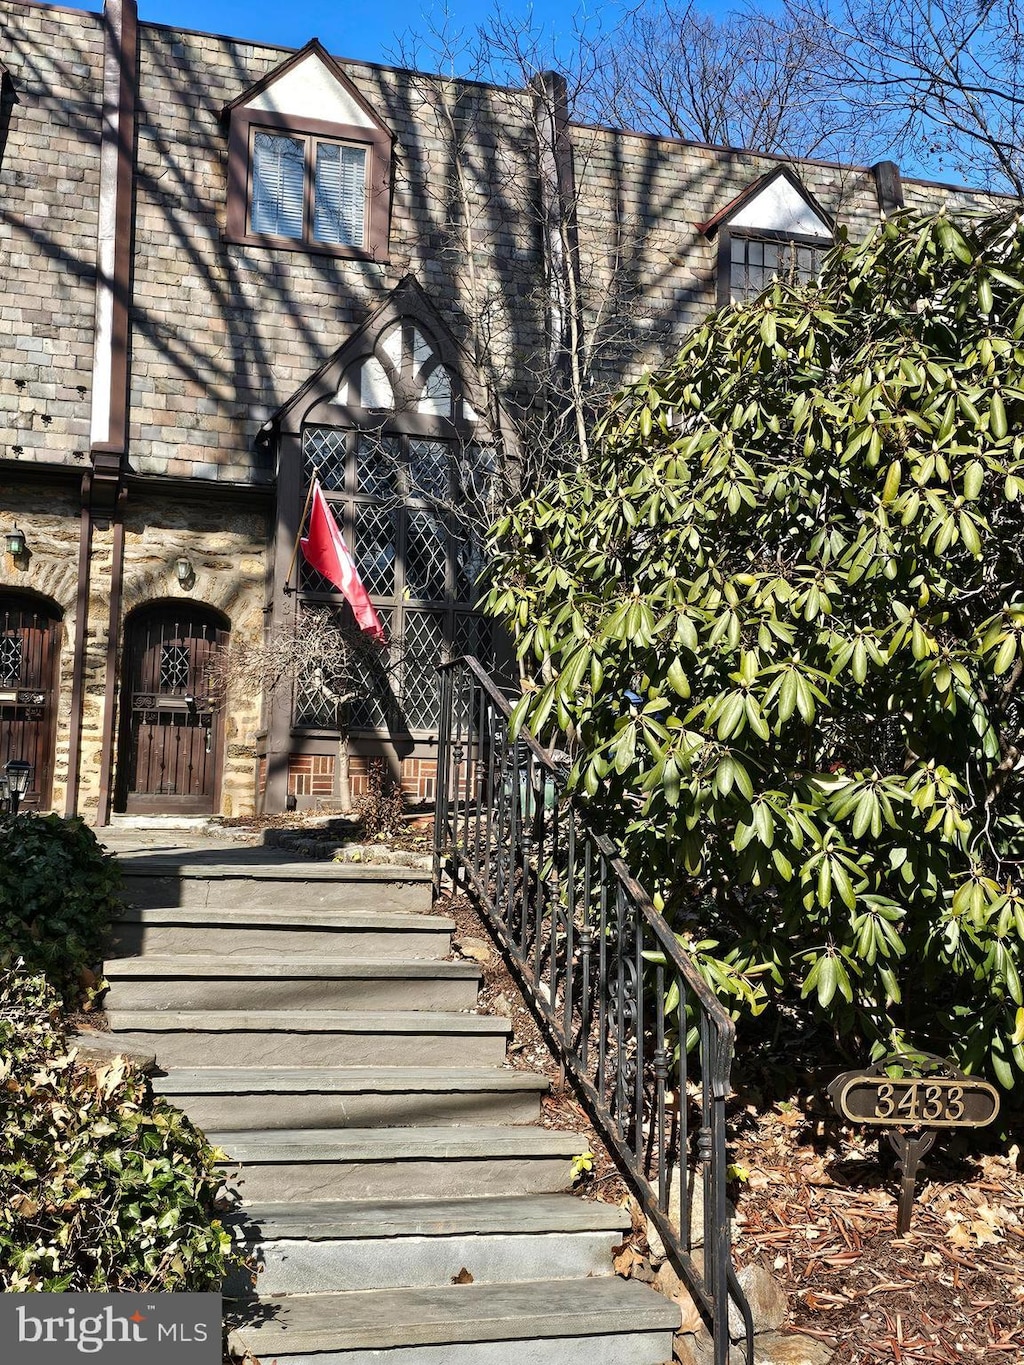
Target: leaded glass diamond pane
(472, 635)
(423, 648)
(425, 556)
(10, 660)
(373, 705)
(317, 702)
(377, 465)
(312, 580)
(469, 565)
(325, 448)
(429, 469)
(174, 661)
(376, 537)
(475, 471)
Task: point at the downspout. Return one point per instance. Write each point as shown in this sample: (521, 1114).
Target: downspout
(110, 371)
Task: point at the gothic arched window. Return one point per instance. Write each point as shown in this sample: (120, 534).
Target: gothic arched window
(409, 482)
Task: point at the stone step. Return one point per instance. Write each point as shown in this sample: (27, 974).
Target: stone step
(234, 1099)
(199, 982)
(152, 882)
(311, 1037)
(601, 1321)
(319, 1248)
(405, 1163)
(359, 934)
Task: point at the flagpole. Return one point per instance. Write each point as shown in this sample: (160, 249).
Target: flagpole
(295, 550)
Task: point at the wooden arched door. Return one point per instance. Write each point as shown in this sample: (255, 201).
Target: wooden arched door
(30, 635)
(171, 742)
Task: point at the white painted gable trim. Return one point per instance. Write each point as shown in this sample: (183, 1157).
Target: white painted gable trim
(780, 207)
(309, 91)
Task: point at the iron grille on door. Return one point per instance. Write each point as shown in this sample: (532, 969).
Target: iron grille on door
(171, 726)
(29, 658)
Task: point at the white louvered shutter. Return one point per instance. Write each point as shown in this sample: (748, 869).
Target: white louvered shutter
(339, 212)
(278, 184)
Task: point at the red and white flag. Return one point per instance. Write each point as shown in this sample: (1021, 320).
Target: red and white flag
(324, 548)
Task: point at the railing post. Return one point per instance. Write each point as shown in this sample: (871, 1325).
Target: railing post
(441, 780)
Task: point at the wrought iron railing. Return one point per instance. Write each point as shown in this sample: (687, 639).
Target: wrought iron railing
(637, 1030)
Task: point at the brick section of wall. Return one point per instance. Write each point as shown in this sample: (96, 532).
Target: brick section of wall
(311, 775)
(418, 776)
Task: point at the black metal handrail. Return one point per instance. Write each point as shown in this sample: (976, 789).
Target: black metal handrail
(636, 1028)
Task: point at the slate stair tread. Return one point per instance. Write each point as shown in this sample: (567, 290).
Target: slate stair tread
(342, 1080)
(384, 1318)
(364, 1218)
(305, 1021)
(200, 965)
(147, 865)
(450, 1185)
(470, 1141)
(253, 917)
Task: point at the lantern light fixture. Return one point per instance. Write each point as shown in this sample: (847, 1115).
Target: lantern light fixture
(183, 569)
(18, 772)
(15, 541)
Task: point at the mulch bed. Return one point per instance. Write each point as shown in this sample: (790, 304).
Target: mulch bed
(818, 1208)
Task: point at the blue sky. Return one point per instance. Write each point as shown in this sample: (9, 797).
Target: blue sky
(366, 32)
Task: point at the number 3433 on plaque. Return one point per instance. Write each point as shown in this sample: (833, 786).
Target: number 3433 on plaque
(914, 1101)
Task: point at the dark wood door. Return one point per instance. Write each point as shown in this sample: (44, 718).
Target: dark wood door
(171, 730)
(30, 633)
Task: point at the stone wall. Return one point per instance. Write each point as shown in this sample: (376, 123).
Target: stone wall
(49, 568)
(49, 176)
(224, 333)
(648, 272)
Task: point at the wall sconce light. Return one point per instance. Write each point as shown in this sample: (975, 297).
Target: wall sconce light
(18, 772)
(183, 570)
(15, 542)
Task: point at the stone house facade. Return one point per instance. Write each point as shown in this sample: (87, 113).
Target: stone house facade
(227, 266)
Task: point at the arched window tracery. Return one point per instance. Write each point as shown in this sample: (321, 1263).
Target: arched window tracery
(409, 480)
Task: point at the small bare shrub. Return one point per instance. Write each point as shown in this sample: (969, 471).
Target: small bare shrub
(382, 810)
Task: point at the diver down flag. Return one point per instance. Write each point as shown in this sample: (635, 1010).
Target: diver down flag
(325, 550)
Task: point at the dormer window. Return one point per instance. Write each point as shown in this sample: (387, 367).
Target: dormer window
(774, 230)
(308, 189)
(308, 163)
(755, 261)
